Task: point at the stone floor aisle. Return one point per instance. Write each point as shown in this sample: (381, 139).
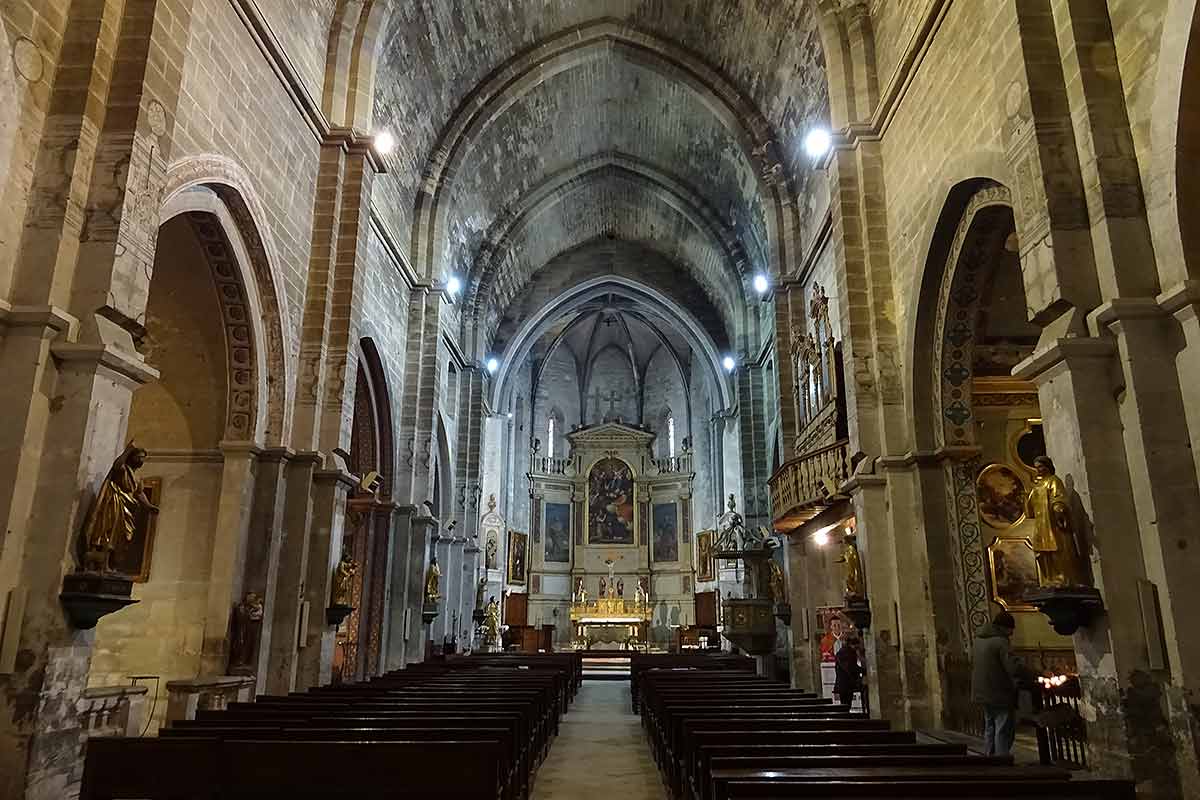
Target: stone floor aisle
(601, 751)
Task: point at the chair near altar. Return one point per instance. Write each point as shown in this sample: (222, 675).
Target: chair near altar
(611, 620)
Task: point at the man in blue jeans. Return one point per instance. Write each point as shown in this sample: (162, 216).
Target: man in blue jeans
(994, 681)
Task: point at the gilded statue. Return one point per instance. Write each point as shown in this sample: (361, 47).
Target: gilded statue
(343, 581)
(1048, 505)
(113, 513)
(491, 623)
(777, 582)
(855, 587)
(433, 577)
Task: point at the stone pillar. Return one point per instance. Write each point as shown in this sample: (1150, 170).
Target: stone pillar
(422, 529)
(399, 577)
(330, 489)
(292, 573)
(229, 552)
(263, 550)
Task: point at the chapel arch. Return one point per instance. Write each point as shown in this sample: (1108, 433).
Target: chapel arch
(1187, 150)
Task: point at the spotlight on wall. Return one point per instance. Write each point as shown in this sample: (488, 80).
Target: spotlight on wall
(493, 364)
(510, 415)
(384, 143)
(453, 284)
(728, 363)
(817, 143)
(821, 537)
(761, 284)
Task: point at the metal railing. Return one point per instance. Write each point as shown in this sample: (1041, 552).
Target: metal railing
(1061, 731)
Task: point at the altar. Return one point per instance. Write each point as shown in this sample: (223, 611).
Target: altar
(611, 620)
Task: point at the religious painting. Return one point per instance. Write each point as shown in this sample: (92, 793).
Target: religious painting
(517, 542)
(558, 533)
(610, 503)
(1001, 494)
(665, 538)
(1014, 571)
(705, 564)
(132, 556)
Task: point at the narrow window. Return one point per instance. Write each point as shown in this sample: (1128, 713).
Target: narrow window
(550, 440)
(671, 436)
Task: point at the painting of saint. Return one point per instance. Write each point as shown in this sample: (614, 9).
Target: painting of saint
(1001, 495)
(666, 532)
(610, 503)
(705, 564)
(1014, 572)
(558, 533)
(517, 542)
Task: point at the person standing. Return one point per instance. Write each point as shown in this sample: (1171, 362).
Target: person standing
(848, 673)
(995, 679)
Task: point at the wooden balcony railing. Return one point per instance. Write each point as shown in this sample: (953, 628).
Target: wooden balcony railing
(805, 486)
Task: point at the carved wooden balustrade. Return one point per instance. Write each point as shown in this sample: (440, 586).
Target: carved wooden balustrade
(806, 486)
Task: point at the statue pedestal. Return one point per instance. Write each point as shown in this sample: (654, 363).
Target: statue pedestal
(750, 624)
(336, 613)
(859, 612)
(88, 596)
(1069, 608)
(783, 613)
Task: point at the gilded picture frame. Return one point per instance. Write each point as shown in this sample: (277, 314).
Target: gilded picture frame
(1013, 571)
(1001, 492)
(518, 557)
(705, 563)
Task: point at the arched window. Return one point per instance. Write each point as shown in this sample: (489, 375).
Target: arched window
(550, 439)
(671, 436)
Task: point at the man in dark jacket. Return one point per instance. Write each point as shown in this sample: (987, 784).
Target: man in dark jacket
(994, 681)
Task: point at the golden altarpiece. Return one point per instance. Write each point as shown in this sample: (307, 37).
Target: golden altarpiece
(611, 546)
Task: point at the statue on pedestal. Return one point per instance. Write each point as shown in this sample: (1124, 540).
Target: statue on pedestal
(777, 582)
(244, 634)
(490, 551)
(343, 581)
(855, 587)
(1059, 561)
(491, 623)
(433, 577)
(112, 515)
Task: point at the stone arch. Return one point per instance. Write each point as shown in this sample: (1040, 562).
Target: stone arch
(351, 61)
(9, 99)
(1174, 194)
(444, 469)
(372, 379)
(568, 50)
(219, 187)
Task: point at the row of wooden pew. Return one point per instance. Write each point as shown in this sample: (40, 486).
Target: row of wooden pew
(467, 728)
(726, 734)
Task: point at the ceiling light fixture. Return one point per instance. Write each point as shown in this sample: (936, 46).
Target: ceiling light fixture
(384, 143)
(761, 284)
(818, 143)
(453, 284)
(493, 365)
(729, 363)
(821, 537)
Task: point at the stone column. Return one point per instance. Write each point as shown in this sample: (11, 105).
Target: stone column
(292, 573)
(229, 552)
(400, 577)
(330, 489)
(422, 529)
(263, 551)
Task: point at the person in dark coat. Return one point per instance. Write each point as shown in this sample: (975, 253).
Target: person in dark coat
(995, 679)
(848, 673)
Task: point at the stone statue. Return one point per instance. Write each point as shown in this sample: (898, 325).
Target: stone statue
(855, 587)
(343, 581)
(1048, 505)
(480, 591)
(433, 578)
(603, 586)
(113, 513)
(491, 623)
(244, 634)
(490, 551)
(777, 582)
(620, 587)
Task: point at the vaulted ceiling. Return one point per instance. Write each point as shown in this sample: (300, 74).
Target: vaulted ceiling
(544, 143)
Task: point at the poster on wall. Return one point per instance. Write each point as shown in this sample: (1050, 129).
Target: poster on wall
(517, 542)
(610, 503)
(833, 627)
(705, 567)
(558, 533)
(666, 532)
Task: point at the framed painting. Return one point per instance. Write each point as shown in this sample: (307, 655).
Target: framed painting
(1014, 572)
(705, 564)
(665, 537)
(610, 502)
(558, 533)
(518, 542)
(132, 557)
(1001, 493)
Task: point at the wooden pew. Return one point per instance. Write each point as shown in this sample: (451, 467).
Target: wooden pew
(886, 789)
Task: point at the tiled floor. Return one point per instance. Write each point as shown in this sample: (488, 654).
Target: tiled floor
(601, 751)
